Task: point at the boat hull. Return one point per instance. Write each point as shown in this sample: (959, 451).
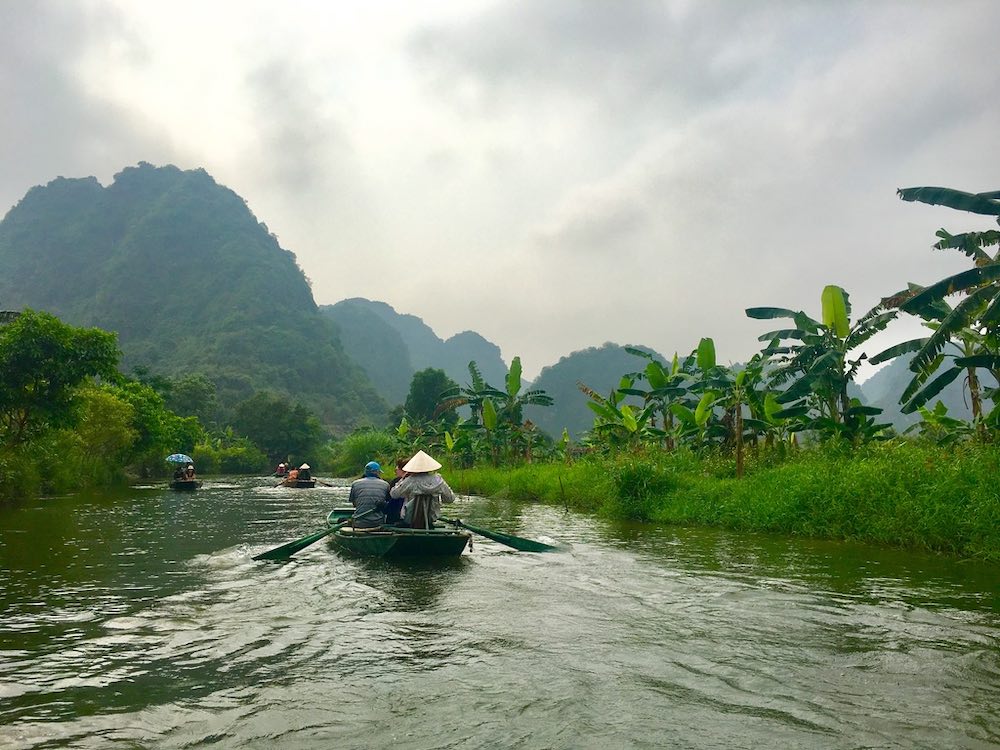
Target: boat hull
(394, 542)
(390, 542)
(299, 483)
(185, 485)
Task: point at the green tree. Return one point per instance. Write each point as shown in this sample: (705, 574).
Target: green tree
(815, 367)
(969, 333)
(278, 427)
(194, 396)
(42, 361)
(428, 399)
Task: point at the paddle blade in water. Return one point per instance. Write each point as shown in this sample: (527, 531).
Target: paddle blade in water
(287, 550)
(517, 542)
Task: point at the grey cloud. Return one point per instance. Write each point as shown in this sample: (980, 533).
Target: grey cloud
(51, 125)
(631, 56)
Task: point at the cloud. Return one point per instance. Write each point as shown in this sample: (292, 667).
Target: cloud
(56, 122)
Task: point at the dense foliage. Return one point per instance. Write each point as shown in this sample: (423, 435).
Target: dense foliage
(191, 282)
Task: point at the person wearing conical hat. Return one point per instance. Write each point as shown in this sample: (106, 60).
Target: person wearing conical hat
(424, 490)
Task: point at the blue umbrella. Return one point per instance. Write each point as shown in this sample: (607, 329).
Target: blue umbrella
(179, 458)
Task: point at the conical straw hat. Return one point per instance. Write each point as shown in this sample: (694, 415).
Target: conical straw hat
(421, 463)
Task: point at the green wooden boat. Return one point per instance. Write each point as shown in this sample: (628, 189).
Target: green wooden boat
(392, 541)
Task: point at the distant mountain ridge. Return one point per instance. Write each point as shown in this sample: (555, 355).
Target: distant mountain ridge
(391, 346)
(181, 269)
(599, 367)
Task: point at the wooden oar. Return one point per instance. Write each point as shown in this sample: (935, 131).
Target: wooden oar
(517, 542)
(287, 550)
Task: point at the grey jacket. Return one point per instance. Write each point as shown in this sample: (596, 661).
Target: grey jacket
(432, 485)
(369, 493)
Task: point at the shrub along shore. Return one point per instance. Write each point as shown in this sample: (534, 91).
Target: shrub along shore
(900, 494)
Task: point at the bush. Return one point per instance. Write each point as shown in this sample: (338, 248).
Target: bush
(351, 454)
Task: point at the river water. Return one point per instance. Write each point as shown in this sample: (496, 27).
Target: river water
(139, 620)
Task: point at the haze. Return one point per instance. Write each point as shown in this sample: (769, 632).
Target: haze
(552, 174)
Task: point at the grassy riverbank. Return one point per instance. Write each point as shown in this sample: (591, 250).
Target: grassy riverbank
(897, 494)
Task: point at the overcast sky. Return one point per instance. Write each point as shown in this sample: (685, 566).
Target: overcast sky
(553, 174)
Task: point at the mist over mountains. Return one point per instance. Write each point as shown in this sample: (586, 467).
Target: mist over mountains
(194, 283)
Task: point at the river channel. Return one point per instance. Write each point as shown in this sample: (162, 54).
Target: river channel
(139, 620)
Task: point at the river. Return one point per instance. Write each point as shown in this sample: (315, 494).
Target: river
(139, 620)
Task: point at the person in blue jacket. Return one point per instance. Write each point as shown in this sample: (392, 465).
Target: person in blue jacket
(369, 496)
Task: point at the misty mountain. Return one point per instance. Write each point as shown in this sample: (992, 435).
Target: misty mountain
(600, 368)
(884, 388)
(391, 346)
(190, 280)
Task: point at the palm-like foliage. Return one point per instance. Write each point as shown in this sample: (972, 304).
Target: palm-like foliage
(814, 364)
(967, 334)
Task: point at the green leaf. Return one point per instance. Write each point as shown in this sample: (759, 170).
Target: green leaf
(514, 378)
(835, 310)
(449, 441)
(981, 203)
(706, 354)
(683, 413)
(932, 389)
(704, 408)
(894, 351)
(489, 415)
(628, 419)
(656, 376)
(986, 361)
(766, 313)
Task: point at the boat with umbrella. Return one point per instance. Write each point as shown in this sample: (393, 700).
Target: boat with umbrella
(183, 484)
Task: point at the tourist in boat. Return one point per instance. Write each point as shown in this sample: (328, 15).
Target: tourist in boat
(370, 495)
(394, 510)
(424, 490)
(304, 472)
(291, 475)
(189, 474)
(280, 471)
(179, 473)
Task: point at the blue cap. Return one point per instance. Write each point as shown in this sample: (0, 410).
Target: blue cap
(372, 467)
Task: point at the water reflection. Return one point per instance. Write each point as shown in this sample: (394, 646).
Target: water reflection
(143, 620)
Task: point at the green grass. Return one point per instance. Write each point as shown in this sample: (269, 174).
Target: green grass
(896, 494)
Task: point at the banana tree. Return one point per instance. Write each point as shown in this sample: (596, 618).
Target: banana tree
(667, 385)
(969, 333)
(814, 364)
(966, 351)
(618, 423)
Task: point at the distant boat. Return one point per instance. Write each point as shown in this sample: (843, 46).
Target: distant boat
(300, 483)
(185, 485)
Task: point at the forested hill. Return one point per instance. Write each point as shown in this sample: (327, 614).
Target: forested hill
(391, 346)
(181, 269)
(600, 368)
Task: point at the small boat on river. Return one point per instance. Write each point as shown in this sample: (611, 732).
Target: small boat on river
(185, 485)
(394, 541)
(300, 483)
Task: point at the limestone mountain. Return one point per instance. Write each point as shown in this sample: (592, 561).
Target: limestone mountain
(391, 346)
(600, 368)
(190, 280)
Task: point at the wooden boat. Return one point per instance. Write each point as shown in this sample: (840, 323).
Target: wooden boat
(185, 485)
(300, 483)
(393, 541)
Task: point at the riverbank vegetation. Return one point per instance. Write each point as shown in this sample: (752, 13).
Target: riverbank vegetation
(776, 444)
